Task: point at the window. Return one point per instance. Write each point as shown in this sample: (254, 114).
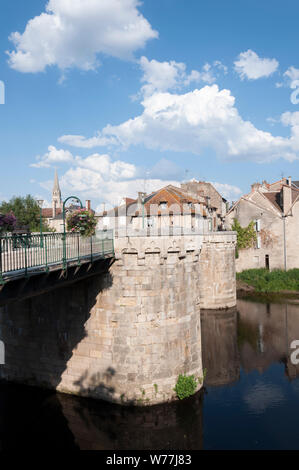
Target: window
(163, 205)
(267, 262)
(258, 225)
(258, 241)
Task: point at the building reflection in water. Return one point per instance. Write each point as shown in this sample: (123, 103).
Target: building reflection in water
(265, 333)
(98, 425)
(253, 337)
(31, 418)
(220, 347)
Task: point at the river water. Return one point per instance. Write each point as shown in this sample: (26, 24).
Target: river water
(250, 399)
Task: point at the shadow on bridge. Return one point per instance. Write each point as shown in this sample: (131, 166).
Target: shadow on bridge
(41, 333)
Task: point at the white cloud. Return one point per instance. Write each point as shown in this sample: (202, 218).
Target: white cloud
(198, 120)
(91, 184)
(164, 76)
(80, 141)
(72, 33)
(228, 191)
(53, 156)
(161, 76)
(100, 178)
(250, 65)
(106, 169)
(201, 119)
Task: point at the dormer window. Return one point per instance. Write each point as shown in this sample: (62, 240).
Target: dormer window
(163, 205)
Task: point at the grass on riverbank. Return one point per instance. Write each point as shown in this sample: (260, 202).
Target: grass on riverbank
(275, 281)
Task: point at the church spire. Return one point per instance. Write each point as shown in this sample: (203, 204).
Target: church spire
(56, 188)
(56, 195)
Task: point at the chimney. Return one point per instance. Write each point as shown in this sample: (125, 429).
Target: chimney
(290, 181)
(286, 198)
(87, 204)
(255, 187)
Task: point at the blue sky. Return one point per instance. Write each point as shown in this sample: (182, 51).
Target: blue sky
(158, 92)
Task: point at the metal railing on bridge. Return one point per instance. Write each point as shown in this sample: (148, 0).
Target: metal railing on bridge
(21, 254)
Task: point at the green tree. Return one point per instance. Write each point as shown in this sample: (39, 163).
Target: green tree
(26, 211)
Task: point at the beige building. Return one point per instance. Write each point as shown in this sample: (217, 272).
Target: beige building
(213, 198)
(275, 210)
(169, 208)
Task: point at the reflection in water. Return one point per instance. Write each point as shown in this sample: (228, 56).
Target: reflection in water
(252, 337)
(250, 401)
(255, 402)
(265, 333)
(219, 346)
(97, 425)
(31, 418)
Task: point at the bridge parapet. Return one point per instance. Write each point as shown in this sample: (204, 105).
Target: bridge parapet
(22, 255)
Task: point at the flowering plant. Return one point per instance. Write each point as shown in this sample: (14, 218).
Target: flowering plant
(7, 222)
(82, 221)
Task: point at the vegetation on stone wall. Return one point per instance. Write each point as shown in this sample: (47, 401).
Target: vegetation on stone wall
(275, 281)
(185, 386)
(246, 236)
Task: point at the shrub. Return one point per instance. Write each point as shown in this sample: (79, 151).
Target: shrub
(7, 222)
(275, 281)
(185, 386)
(82, 221)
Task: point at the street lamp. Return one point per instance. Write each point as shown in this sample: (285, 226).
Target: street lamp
(74, 198)
(40, 203)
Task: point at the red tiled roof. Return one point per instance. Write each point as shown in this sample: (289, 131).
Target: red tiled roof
(48, 212)
(175, 199)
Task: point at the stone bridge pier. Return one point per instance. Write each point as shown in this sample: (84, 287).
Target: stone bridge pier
(124, 336)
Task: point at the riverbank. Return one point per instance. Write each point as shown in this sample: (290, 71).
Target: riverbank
(268, 284)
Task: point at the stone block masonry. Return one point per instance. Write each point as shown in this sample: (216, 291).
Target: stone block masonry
(124, 336)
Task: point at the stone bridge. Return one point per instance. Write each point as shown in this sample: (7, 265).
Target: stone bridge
(124, 335)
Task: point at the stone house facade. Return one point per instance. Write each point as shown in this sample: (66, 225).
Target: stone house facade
(275, 210)
(213, 198)
(169, 208)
